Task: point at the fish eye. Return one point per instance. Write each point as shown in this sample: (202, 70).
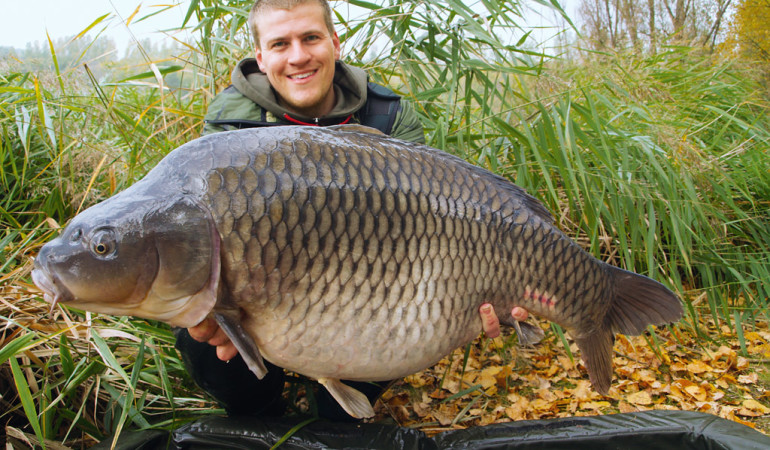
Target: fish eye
(103, 243)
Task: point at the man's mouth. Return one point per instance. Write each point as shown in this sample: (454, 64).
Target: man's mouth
(302, 76)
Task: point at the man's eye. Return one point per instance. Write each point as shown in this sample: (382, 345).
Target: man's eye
(277, 45)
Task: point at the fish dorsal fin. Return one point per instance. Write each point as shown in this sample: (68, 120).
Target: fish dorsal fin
(354, 127)
(353, 401)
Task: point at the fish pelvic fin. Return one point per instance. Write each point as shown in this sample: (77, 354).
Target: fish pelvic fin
(637, 302)
(353, 401)
(527, 333)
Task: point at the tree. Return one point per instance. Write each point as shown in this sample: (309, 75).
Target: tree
(750, 30)
(644, 26)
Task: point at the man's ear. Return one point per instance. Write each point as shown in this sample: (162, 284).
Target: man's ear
(337, 48)
(258, 56)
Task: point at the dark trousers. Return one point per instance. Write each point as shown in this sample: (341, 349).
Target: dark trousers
(240, 392)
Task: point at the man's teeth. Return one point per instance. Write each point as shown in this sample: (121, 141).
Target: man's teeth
(302, 75)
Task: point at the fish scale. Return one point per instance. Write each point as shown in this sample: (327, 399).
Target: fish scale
(338, 253)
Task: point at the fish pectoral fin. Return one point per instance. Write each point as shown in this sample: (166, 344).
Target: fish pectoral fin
(353, 401)
(244, 343)
(528, 334)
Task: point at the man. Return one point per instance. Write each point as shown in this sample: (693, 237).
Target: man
(295, 79)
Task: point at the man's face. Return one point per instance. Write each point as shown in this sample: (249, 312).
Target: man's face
(297, 53)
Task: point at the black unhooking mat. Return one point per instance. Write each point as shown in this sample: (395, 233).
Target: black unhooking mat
(645, 430)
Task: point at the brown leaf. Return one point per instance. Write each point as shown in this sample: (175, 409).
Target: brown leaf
(626, 407)
(446, 413)
(518, 410)
(750, 378)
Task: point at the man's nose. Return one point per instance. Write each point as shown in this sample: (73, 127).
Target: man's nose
(298, 54)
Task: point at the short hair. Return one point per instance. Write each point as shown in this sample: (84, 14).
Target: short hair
(261, 5)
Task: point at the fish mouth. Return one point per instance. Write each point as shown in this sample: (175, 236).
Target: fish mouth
(53, 292)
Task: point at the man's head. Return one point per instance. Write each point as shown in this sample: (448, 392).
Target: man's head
(296, 47)
(261, 5)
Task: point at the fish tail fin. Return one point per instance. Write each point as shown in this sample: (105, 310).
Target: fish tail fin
(637, 302)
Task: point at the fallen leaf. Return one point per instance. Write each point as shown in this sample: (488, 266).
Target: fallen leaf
(626, 407)
(697, 392)
(640, 398)
(699, 367)
(446, 413)
(750, 378)
(594, 406)
(678, 367)
(755, 407)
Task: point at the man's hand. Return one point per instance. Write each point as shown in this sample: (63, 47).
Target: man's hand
(208, 330)
(491, 323)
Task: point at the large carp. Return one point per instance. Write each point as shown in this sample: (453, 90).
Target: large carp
(339, 253)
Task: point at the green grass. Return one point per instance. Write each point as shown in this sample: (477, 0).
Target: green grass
(658, 164)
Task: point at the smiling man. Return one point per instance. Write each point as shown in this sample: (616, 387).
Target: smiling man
(297, 78)
(298, 55)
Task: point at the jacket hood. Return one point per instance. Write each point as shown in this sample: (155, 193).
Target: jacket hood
(349, 86)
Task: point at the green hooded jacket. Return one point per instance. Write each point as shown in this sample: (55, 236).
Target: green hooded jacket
(251, 102)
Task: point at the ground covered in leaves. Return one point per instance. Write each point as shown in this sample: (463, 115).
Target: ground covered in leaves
(704, 366)
(494, 381)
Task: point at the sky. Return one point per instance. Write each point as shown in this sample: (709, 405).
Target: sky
(27, 21)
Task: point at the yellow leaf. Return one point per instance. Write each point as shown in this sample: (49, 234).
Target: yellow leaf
(724, 351)
(639, 398)
(699, 367)
(752, 336)
(583, 391)
(678, 367)
(594, 406)
(541, 405)
(755, 406)
(697, 392)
